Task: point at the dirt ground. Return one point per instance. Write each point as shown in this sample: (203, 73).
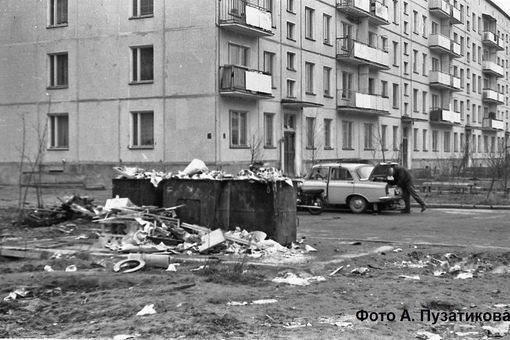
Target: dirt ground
(378, 291)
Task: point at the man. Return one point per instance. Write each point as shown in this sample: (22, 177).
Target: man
(403, 178)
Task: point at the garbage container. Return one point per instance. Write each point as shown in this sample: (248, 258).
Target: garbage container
(268, 207)
(139, 191)
(205, 201)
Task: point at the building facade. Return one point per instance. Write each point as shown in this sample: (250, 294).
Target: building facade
(86, 86)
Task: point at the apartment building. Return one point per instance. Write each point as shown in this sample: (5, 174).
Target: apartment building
(96, 84)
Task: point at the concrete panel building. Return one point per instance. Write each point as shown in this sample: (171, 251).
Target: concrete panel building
(96, 84)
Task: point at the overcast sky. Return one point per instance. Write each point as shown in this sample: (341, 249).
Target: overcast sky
(503, 4)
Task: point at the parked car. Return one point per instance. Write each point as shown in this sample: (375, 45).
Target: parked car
(355, 185)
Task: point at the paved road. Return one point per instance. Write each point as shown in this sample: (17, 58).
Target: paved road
(467, 227)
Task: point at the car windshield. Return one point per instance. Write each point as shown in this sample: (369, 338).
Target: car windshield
(319, 173)
(364, 172)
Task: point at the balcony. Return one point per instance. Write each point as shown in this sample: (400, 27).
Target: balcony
(350, 101)
(492, 96)
(354, 52)
(241, 82)
(444, 116)
(442, 44)
(444, 81)
(242, 17)
(440, 9)
(493, 124)
(379, 13)
(491, 40)
(455, 17)
(493, 68)
(375, 11)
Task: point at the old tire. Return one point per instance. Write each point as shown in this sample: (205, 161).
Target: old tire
(358, 204)
(319, 203)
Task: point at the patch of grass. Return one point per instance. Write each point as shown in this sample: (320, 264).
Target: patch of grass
(237, 272)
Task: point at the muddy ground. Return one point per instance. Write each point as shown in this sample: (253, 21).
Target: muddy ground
(236, 297)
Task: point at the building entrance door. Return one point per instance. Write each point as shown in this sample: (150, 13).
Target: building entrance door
(289, 148)
(405, 152)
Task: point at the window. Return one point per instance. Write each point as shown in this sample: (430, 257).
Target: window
(455, 142)
(384, 133)
(57, 15)
(346, 84)
(395, 96)
(406, 48)
(238, 55)
(346, 134)
(143, 8)
(143, 64)
(395, 12)
(424, 140)
(327, 134)
(268, 129)
(291, 91)
(59, 131)
(406, 28)
(405, 8)
(415, 22)
(415, 61)
(310, 133)
(142, 133)
(395, 53)
(485, 144)
(435, 140)
(58, 70)
(415, 139)
(424, 102)
(369, 137)
(291, 27)
(406, 67)
(309, 88)
(396, 144)
(291, 57)
(424, 26)
(269, 66)
(384, 88)
(327, 81)
(238, 128)
(415, 100)
(309, 23)
(446, 141)
(290, 6)
(424, 64)
(326, 26)
(406, 89)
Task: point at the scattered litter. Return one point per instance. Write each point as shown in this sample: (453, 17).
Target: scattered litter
(293, 279)
(499, 330)
(309, 248)
(237, 303)
(147, 310)
(48, 268)
(360, 270)
(197, 269)
(424, 335)
(398, 250)
(264, 302)
(172, 268)
(500, 305)
(123, 337)
(408, 277)
(336, 271)
(464, 276)
(71, 268)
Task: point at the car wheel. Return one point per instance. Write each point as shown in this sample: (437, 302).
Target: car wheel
(319, 203)
(358, 204)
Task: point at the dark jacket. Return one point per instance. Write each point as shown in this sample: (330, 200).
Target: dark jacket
(401, 176)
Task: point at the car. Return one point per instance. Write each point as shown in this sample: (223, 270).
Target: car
(355, 185)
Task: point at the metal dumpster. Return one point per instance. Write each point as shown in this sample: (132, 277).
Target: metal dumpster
(205, 201)
(268, 207)
(139, 191)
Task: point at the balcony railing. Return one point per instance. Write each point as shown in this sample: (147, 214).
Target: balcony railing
(379, 11)
(493, 68)
(455, 17)
(244, 17)
(443, 44)
(355, 8)
(238, 81)
(444, 116)
(355, 52)
(492, 96)
(444, 80)
(440, 8)
(492, 40)
(491, 123)
(350, 100)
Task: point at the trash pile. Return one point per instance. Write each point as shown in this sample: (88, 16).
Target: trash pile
(127, 228)
(198, 170)
(72, 207)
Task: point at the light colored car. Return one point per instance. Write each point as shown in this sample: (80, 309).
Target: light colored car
(354, 185)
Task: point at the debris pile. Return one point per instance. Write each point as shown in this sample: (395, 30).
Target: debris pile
(72, 207)
(198, 170)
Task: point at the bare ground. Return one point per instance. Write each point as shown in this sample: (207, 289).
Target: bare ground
(217, 302)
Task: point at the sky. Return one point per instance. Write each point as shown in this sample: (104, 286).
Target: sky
(503, 4)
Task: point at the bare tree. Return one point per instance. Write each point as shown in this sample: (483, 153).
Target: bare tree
(496, 161)
(314, 139)
(256, 148)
